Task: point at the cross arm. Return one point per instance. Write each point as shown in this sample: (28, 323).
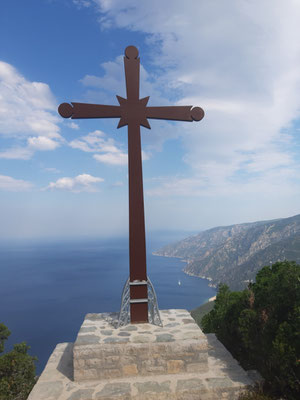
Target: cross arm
(83, 110)
(176, 113)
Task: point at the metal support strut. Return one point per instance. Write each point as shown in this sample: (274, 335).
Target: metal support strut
(153, 311)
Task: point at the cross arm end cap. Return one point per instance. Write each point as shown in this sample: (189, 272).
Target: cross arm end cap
(65, 110)
(197, 113)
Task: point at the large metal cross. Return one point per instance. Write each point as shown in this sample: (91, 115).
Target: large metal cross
(134, 112)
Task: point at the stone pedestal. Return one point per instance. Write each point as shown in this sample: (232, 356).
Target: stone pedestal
(141, 362)
(102, 351)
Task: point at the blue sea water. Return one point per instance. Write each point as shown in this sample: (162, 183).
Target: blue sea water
(47, 287)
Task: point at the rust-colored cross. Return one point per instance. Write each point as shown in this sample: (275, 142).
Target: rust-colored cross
(134, 112)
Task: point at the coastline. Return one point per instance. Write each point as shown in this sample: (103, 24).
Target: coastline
(189, 273)
(201, 277)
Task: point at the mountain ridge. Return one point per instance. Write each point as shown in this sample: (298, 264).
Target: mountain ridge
(233, 254)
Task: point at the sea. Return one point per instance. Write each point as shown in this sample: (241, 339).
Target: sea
(48, 286)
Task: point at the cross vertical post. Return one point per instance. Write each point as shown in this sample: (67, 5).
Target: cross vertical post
(134, 112)
(137, 238)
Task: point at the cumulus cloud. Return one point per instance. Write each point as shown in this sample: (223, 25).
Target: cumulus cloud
(7, 183)
(238, 60)
(27, 114)
(112, 158)
(41, 143)
(80, 183)
(106, 149)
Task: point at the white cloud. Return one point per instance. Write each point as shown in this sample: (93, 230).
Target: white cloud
(27, 113)
(239, 60)
(17, 153)
(112, 83)
(111, 80)
(42, 143)
(81, 183)
(112, 158)
(7, 183)
(73, 125)
(106, 149)
(272, 183)
(92, 142)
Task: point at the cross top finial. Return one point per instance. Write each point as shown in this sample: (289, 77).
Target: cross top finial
(131, 52)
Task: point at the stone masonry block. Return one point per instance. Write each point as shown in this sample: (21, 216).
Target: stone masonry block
(175, 366)
(86, 374)
(196, 367)
(153, 366)
(130, 370)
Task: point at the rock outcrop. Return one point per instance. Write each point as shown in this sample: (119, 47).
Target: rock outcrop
(233, 254)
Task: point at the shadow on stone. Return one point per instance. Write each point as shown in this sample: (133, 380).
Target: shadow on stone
(65, 365)
(109, 318)
(229, 366)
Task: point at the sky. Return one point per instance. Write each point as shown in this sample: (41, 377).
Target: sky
(239, 60)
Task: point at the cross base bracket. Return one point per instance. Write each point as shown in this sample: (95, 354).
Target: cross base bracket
(153, 311)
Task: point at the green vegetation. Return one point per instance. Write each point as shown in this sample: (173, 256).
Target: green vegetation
(17, 370)
(260, 326)
(199, 312)
(254, 395)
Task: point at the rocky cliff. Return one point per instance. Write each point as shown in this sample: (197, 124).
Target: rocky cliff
(233, 254)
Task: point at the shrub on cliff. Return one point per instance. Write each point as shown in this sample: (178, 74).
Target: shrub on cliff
(261, 326)
(17, 370)
(254, 395)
